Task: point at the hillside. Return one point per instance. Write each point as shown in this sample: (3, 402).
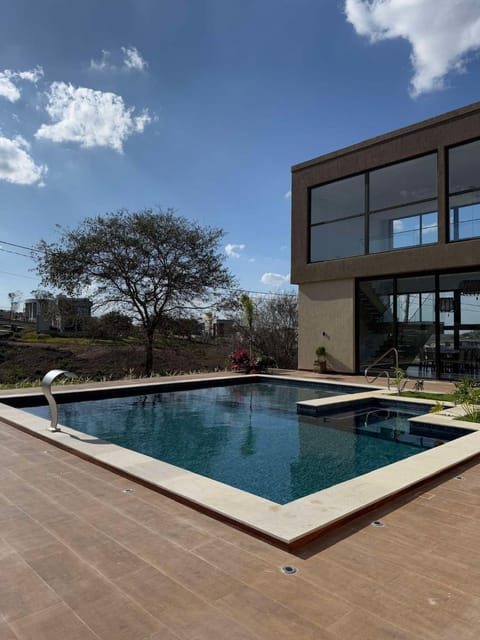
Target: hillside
(23, 361)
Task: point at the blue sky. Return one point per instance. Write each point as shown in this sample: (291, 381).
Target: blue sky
(204, 105)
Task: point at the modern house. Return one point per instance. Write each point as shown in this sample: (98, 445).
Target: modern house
(386, 249)
(58, 314)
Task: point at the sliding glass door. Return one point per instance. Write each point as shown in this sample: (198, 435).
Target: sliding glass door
(433, 321)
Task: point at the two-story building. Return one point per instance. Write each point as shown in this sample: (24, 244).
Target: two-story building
(386, 249)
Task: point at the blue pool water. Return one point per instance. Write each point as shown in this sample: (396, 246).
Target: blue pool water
(249, 435)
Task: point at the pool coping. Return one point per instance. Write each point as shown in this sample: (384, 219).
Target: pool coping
(290, 525)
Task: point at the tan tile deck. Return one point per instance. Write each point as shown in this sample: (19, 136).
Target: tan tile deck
(82, 559)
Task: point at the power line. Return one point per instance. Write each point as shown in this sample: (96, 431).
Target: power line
(18, 275)
(21, 246)
(16, 253)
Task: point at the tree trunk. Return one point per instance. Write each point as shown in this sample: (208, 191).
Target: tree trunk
(149, 353)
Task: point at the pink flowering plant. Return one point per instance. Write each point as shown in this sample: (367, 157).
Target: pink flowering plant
(240, 360)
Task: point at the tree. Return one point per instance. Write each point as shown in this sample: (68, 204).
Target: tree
(248, 312)
(15, 298)
(110, 326)
(149, 263)
(272, 327)
(276, 328)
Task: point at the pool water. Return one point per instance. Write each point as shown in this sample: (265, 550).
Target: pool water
(249, 435)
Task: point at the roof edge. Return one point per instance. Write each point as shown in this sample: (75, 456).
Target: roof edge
(396, 133)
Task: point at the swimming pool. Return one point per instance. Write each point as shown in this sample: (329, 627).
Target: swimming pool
(288, 525)
(249, 436)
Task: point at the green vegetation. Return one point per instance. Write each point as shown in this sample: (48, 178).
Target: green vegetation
(426, 395)
(400, 379)
(151, 265)
(467, 396)
(33, 337)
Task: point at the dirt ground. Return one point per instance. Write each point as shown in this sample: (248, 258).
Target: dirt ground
(21, 361)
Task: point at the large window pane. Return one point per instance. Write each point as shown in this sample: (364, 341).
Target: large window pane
(464, 167)
(465, 222)
(339, 199)
(464, 188)
(408, 226)
(436, 331)
(416, 324)
(465, 216)
(459, 316)
(340, 239)
(375, 320)
(405, 182)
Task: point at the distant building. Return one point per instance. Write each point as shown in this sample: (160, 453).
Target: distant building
(60, 313)
(218, 327)
(222, 328)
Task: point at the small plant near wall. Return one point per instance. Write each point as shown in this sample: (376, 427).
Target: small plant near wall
(467, 395)
(320, 363)
(400, 380)
(436, 408)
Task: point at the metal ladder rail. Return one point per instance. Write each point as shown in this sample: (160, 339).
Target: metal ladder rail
(385, 372)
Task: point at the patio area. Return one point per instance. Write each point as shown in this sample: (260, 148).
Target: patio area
(87, 554)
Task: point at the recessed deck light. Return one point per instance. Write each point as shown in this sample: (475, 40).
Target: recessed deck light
(288, 570)
(377, 523)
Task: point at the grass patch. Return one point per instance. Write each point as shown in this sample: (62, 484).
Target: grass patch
(445, 397)
(472, 417)
(42, 338)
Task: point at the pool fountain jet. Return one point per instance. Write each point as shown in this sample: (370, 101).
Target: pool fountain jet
(48, 378)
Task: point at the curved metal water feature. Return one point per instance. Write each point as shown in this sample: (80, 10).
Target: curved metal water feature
(47, 381)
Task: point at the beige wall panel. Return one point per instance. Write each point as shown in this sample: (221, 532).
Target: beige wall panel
(327, 307)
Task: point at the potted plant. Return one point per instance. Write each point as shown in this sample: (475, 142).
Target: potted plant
(321, 361)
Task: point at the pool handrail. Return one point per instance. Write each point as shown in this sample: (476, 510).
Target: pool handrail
(46, 385)
(384, 371)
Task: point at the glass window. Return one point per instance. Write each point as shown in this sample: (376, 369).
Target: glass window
(340, 239)
(404, 182)
(408, 226)
(436, 330)
(375, 319)
(339, 199)
(464, 189)
(464, 220)
(464, 167)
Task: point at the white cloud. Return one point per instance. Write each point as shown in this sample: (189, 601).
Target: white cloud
(16, 164)
(90, 118)
(288, 195)
(132, 59)
(275, 280)
(441, 33)
(103, 64)
(232, 250)
(31, 75)
(8, 88)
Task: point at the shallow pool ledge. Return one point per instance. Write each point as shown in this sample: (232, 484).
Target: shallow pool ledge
(289, 525)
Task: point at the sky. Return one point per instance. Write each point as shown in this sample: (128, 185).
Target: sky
(203, 106)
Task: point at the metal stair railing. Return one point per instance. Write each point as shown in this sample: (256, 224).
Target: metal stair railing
(384, 371)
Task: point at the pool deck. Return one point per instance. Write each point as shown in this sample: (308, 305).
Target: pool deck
(87, 554)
